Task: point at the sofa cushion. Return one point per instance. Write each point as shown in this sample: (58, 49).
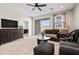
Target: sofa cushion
(69, 44)
(65, 50)
(69, 48)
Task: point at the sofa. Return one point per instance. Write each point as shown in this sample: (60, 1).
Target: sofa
(52, 33)
(70, 46)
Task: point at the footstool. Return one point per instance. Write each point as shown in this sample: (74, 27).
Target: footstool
(44, 48)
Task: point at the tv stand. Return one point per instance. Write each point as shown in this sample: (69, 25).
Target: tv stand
(8, 35)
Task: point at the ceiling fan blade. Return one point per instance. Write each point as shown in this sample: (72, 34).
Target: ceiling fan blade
(33, 8)
(43, 5)
(40, 9)
(30, 5)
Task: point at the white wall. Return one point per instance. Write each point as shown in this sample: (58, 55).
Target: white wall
(76, 17)
(26, 25)
(70, 19)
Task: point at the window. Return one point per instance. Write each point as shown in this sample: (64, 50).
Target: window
(58, 22)
(45, 22)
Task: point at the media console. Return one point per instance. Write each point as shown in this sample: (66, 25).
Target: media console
(8, 35)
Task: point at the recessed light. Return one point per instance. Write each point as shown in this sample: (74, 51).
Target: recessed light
(61, 6)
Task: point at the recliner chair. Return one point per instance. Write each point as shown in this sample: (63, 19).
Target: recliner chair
(72, 36)
(70, 47)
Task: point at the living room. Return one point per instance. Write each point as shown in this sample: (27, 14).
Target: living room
(31, 22)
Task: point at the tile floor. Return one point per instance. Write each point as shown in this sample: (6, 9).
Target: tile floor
(23, 46)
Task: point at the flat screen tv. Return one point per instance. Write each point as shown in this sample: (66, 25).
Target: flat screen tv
(9, 23)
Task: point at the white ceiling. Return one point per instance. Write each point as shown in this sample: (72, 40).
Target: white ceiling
(27, 10)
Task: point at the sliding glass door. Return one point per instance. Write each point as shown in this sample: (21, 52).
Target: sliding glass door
(41, 25)
(45, 24)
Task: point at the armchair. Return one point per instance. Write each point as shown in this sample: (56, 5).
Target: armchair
(72, 36)
(70, 47)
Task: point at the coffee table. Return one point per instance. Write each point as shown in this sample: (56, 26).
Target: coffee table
(45, 39)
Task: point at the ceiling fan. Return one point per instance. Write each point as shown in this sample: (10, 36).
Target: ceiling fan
(37, 5)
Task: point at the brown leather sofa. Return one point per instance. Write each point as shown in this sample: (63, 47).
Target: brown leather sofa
(53, 33)
(70, 47)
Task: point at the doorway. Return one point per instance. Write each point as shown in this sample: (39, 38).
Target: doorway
(26, 28)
